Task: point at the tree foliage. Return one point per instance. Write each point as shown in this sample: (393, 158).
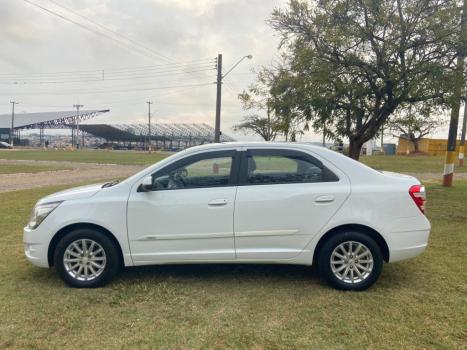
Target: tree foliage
(415, 122)
(258, 125)
(352, 63)
(270, 95)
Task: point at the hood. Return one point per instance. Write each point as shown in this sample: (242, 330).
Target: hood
(73, 193)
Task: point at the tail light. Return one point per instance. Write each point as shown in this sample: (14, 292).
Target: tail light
(418, 194)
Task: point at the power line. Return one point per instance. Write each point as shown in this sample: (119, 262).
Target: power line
(139, 100)
(80, 25)
(187, 64)
(121, 42)
(134, 42)
(102, 79)
(136, 46)
(131, 101)
(157, 80)
(99, 72)
(61, 92)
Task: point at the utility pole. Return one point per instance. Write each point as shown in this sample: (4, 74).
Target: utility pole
(217, 129)
(149, 125)
(462, 145)
(220, 77)
(455, 105)
(13, 103)
(78, 106)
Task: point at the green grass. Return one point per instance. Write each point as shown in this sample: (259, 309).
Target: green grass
(412, 164)
(418, 304)
(87, 156)
(28, 168)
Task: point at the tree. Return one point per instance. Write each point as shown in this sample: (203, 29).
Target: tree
(264, 127)
(270, 94)
(355, 62)
(258, 99)
(415, 123)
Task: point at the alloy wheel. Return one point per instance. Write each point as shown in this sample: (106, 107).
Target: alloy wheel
(351, 262)
(84, 259)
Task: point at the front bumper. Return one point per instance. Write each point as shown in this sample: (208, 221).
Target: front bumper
(34, 248)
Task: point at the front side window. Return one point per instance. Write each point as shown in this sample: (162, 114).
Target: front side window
(283, 169)
(208, 172)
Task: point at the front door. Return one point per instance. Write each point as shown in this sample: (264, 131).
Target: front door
(284, 198)
(188, 216)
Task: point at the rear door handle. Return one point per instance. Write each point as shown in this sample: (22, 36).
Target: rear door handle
(217, 202)
(325, 199)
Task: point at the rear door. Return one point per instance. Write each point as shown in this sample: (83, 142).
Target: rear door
(284, 198)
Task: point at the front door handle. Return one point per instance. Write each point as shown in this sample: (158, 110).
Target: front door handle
(325, 199)
(217, 202)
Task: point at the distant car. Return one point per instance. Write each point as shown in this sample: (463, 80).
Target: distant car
(5, 145)
(235, 203)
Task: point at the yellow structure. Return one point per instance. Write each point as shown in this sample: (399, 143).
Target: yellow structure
(432, 147)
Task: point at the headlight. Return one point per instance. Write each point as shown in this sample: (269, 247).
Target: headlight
(40, 212)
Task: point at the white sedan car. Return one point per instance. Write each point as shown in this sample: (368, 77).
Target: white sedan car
(278, 203)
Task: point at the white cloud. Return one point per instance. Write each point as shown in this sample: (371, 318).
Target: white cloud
(35, 41)
(195, 7)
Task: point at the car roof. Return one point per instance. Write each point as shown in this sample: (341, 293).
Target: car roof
(250, 144)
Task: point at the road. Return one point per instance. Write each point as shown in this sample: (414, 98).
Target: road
(76, 173)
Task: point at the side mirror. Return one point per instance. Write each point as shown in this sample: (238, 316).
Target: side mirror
(146, 185)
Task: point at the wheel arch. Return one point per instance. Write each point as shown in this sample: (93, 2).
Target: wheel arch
(82, 225)
(379, 239)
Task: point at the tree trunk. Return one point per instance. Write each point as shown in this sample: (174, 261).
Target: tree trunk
(355, 147)
(415, 146)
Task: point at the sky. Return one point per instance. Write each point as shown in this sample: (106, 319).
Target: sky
(48, 63)
(118, 54)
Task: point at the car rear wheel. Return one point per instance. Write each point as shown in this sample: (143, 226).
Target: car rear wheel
(86, 258)
(350, 261)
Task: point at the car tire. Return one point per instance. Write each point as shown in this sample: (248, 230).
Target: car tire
(350, 260)
(86, 268)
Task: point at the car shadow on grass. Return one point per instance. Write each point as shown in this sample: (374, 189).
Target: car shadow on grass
(221, 272)
(393, 277)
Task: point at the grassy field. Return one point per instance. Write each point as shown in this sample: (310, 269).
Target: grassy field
(87, 156)
(28, 168)
(416, 164)
(418, 304)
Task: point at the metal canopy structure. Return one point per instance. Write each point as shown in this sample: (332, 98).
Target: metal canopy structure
(164, 135)
(47, 120)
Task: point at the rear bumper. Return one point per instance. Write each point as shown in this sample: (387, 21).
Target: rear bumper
(407, 244)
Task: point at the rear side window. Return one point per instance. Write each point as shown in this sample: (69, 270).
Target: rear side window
(285, 167)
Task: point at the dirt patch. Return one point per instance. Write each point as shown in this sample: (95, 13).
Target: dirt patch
(437, 177)
(78, 172)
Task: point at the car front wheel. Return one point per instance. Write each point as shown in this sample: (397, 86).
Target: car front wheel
(86, 258)
(350, 261)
